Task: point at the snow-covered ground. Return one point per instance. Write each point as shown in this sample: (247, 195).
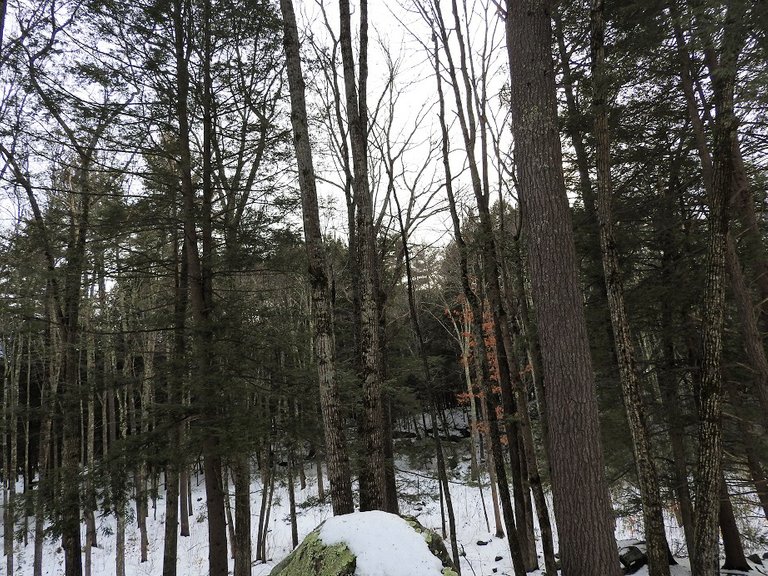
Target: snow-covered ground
(419, 492)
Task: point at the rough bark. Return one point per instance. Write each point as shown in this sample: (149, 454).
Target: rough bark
(710, 394)
(373, 471)
(241, 472)
(634, 403)
(578, 477)
(171, 526)
(322, 307)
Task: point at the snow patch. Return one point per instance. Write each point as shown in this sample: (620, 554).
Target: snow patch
(384, 544)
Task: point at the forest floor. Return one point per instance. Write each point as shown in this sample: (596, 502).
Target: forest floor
(484, 555)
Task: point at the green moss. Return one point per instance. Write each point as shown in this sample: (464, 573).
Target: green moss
(314, 557)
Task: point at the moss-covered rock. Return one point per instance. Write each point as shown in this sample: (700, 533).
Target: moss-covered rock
(314, 558)
(434, 543)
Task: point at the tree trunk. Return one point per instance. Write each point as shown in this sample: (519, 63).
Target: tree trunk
(734, 551)
(480, 350)
(171, 525)
(242, 478)
(757, 474)
(578, 477)
(322, 306)
(634, 403)
(47, 402)
(292, 503)
(373, 486)
(428, 385)
(491, 464)
(710, 395)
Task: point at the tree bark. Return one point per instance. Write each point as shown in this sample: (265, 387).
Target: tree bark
(171, 525)
(242, 479)
(322, 306)
(373, 487)
(634, 403)
(734, 551)
(578, 477)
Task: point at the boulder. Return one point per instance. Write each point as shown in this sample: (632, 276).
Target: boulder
(312, 556)
(632, 558)
(374, 529)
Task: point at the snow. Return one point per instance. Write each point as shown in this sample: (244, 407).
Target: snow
(384, 544)
(418, 489)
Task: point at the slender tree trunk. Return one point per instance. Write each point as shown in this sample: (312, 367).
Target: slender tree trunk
(634, 403)
(373, 487)
(322, 306)
(47, 402)
(200, 279)
(480, 350)
(292, 503)
(228, 510)
(428, 385)
(578, 477)
(491, 464)
(10, 388)
(757, 474)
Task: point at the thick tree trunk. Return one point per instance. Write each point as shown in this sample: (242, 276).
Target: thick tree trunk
(322, 306)
(578, 477)
(710, 394)
(734, 551)
(711, 390)
(171, 526)
(242, 479)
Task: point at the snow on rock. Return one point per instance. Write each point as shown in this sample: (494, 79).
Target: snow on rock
(384, 544)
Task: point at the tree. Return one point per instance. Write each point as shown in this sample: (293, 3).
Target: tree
(634, 402)
(322, 305)
(578, 479)
(373, 485)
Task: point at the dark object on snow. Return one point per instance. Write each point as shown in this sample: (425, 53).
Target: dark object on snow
(765, 556)
(495, 570)
(482, 543)
(497, 558)
(632, 558)
(756, 558)
(464, 432)
(400, 434)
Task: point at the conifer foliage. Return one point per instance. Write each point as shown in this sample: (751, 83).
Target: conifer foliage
(257, 243)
